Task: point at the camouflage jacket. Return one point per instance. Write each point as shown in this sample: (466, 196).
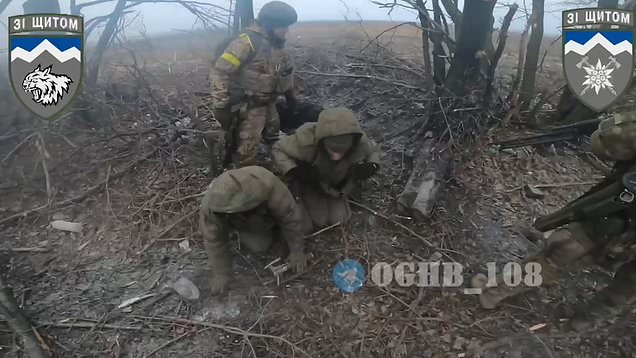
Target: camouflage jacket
(305, 146)
(259, 77)
(247, 199)
(615, 138)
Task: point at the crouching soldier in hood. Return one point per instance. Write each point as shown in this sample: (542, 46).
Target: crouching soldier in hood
(251, 72)
(325, 160)
(254, 202)
(600, 225)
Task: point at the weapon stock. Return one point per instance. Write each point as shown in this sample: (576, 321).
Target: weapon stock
(606, 198)
(596, 205)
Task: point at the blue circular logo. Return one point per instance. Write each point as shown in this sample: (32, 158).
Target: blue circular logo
(348, 275)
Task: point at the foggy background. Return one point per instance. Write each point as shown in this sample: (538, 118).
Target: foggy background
(156, 19)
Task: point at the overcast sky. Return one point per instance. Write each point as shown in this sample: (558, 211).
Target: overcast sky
(159, 18)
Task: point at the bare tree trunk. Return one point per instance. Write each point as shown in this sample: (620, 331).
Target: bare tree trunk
(19, 323)
(243, 15)
(501, 45)
(4, 4)
(102, 44)
(532, 54)
(426, 51)
(464, 70)
(439, 63)
(569, 108)
(455, 15)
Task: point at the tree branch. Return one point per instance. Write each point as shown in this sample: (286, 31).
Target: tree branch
(3, 5)
(19, 323)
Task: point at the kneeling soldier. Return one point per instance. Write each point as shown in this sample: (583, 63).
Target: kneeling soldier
(254, 202)
(601, 225)
(326, 159)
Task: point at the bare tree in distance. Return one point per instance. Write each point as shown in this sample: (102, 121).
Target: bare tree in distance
(532, 54)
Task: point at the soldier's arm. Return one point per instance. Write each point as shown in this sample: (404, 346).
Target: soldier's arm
(288, 215)
(227, 65)
(285, 153)
(216, 242)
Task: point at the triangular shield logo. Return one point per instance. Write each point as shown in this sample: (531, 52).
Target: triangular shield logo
(598, 65)
(45, 69)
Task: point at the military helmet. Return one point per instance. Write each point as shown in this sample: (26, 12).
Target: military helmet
(276, 14)
(615, 138)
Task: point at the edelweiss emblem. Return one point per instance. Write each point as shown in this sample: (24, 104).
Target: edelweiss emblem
(598, 76)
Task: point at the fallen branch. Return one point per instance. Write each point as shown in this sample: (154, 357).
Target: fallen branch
(19, 323)
(26, 249)
(173, 341)
(15, 149)
(89, 325)
(402, 226)
(80, 197)
(166, 230)
(229, 329)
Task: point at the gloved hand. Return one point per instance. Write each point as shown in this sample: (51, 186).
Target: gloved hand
(297, 261)
(364, 170)
(224, 116)
(331, 191)
(218, 283)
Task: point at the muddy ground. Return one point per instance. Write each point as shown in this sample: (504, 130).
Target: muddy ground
(137, 171)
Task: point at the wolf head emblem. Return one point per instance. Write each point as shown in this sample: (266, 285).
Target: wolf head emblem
(45, 87)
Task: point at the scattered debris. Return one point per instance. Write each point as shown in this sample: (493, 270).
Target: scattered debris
(186, 289)
(66, 226)
(532, 192)
(133, 300)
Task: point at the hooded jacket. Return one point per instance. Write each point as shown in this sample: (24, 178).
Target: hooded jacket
(247, 199)
(305, 145)
(253, 68)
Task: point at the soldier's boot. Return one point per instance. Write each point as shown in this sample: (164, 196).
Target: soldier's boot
(257, 242)
(339, 210)
(316, 205)
(613, 300)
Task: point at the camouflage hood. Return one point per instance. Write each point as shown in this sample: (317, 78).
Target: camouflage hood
(336, 121)
(239, 190)
(304, 144)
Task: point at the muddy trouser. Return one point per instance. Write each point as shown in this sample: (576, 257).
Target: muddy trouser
(564, 247)
(256, 123)
(321, 209)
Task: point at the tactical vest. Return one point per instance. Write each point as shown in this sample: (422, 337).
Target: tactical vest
(266, 74)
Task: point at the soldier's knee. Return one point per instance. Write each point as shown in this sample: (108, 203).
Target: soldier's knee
(339, 211)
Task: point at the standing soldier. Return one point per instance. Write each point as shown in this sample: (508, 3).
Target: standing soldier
(601, 224)
(255, 203)
(325, 159)
(247, 78)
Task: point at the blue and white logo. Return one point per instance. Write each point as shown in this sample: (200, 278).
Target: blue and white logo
(348, 275)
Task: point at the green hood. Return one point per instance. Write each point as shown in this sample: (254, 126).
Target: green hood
(240, 190)
(337, 121)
